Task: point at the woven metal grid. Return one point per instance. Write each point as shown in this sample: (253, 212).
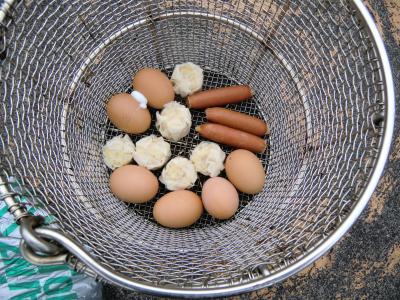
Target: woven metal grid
(317, 84)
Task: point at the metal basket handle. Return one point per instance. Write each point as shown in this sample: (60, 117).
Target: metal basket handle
(47, 246)
(32, 243)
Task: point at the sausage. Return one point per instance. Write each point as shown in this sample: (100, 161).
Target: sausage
(232, 137)
(236, 120)
(219, 97)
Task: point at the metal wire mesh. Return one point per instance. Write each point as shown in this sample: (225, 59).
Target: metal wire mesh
(317, 84)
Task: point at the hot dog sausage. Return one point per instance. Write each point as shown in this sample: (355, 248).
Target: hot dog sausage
(219, 97)
(232, 137)
(236, 120)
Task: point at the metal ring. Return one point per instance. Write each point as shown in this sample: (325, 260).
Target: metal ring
(80, 267)
(28, 224)
(31, 256)
(63, 258)
(5, 7)
(8, 194)
(19, 212)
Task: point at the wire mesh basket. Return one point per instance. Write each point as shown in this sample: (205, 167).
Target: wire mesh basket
(321, 80)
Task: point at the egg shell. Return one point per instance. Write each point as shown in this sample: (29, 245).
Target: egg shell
(178, 209)
(155, 86)
(126, 114)
(133, 184)
(220, 198)
(245, 171)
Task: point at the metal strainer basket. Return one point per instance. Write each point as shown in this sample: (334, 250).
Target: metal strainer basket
(321, 80)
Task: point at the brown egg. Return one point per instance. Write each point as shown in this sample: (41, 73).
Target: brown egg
(220, 198)
(178, 209)
(126, 114)
(155, 86)
(133, 184)
(245, 171)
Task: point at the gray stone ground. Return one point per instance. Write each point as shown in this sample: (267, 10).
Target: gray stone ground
(365, 264)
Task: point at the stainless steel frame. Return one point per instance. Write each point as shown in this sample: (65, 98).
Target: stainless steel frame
(260, 276)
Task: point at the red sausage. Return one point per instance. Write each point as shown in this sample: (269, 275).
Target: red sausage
(236, 120)
(232, 137)
(219, 97)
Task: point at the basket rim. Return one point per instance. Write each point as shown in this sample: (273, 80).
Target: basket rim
(326, 244)
(317, 251)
